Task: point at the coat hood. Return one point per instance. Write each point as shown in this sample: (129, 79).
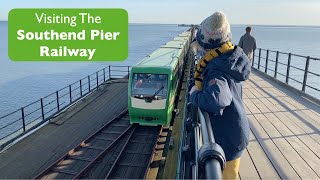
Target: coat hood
(235, 64)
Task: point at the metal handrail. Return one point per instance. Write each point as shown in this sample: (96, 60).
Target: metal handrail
(297, 55)
(200, 157)
(53, 104)
(206, 128)
(288, 64)
(213, 169)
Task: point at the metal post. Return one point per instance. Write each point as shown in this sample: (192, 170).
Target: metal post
(305, 74)
(70, 94)
(80, 87)
(23, 122)
(288, 68)
(276, 66)
(104, 74)
(259, 58)
(267, 59)
(128, 71)
(197, 147)
(89, 83)
(97, 79)
(58, 105)
(109, 72)
(42, 110)
(254, 52)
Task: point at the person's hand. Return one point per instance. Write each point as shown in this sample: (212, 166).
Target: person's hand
(194, 88)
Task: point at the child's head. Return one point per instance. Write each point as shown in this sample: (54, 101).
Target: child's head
(214, 31)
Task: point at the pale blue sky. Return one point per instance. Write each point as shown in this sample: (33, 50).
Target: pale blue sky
(247, 12)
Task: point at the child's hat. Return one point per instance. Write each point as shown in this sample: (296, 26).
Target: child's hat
(214, 31)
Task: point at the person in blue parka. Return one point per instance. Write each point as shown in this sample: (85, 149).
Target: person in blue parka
(221, 93)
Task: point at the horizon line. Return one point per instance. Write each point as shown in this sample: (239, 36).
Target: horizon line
(236, 24)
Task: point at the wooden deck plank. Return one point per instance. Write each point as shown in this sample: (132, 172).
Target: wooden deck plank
(304, 151)
(306, 137)
(250, 105)
(244, 96)
(292, 104)
(314, 115)
(294, 128)
(309, 129)
(256, 93)
(272, 107)
(260, 159)
(305, 114)
(309, 112)
(248, 95)
(279, 162)
(276, 104)
(247, 169)
(262, 108)
(298, 163)
(302, 120)
(297, 131)
(292, 147)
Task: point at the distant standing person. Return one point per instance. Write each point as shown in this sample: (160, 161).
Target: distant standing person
(248, 43)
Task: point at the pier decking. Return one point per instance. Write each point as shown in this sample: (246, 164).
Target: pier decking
(33, 154)
(284, 141)
(285, 133)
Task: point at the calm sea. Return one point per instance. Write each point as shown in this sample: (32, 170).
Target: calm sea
(25, 82)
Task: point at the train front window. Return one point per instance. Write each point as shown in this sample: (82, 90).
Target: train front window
(146, 86)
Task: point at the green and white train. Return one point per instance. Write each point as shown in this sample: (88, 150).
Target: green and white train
(154, 81)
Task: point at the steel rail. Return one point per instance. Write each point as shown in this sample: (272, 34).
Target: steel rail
(120, 154)
(85, 169)
(41, 174)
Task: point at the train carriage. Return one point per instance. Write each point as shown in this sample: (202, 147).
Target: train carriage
(153, 83)
(182, 37)
(177, 44)
(186, 34)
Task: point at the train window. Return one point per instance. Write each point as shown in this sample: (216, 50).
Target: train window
(146, 86)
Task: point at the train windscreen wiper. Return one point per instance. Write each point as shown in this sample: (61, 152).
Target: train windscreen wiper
(150, 99)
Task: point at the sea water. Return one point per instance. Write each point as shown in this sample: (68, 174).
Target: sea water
(24, 82)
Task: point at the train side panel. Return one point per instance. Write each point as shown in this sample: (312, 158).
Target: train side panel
(167, 60)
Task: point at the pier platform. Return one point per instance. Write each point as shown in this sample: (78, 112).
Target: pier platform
(36, 152)
(284, 139)
(285, 132)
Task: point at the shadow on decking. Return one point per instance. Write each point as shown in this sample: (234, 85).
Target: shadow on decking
(310, 125)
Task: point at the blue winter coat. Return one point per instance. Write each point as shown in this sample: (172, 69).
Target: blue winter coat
(221, 97)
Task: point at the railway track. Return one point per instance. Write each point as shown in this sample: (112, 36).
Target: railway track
(117, 150)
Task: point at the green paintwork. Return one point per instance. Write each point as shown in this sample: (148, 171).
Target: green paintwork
(168, 59)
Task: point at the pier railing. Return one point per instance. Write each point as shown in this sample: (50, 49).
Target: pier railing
(295, 70)
(23, 120)
(200, 157)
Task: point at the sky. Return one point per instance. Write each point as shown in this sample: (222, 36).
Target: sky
(244, 12)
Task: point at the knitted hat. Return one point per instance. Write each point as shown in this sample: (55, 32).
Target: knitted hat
(214, 31)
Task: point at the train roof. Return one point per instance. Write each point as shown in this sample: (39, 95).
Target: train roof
(185, 34)
(163, 58)
(168, 55)
(175, 44)
(182, 38)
